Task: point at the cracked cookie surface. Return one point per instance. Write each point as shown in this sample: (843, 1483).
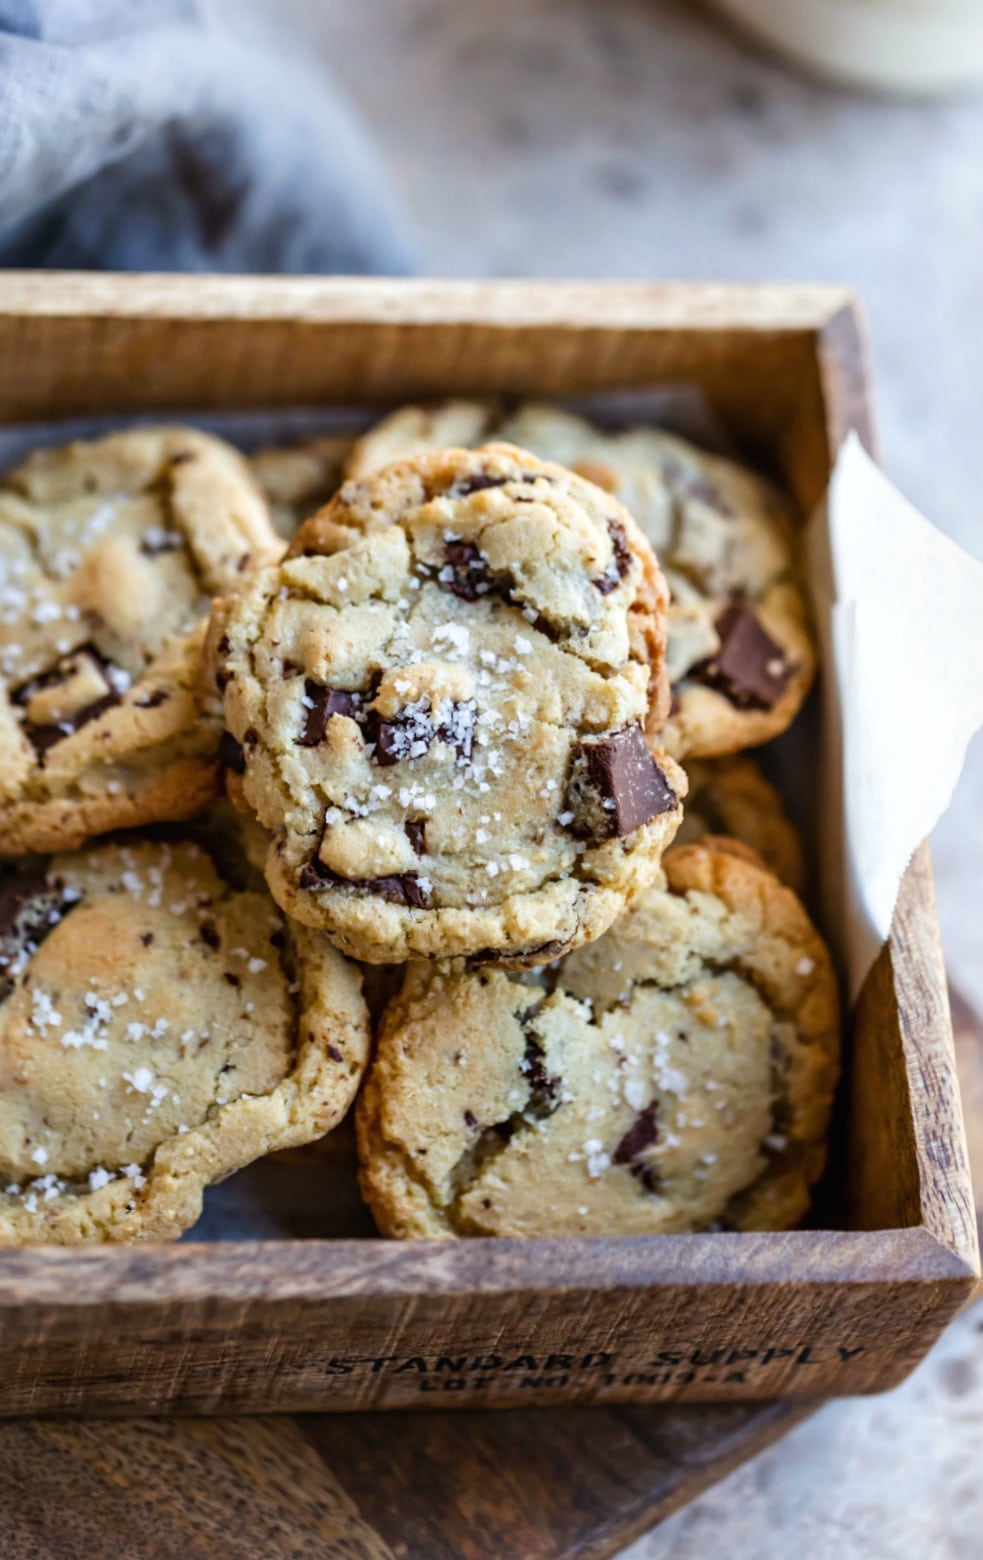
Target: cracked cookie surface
(109, 553)
(733, 796)
(158, 1030)
(740, 654)
(438, 702)
(675, 1075)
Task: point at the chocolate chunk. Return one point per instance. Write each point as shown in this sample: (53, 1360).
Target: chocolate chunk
(233, 980)
(152, 701)
(543, 625)
(410, 734)
(209, 935)
(640, 1136)
(403, 737)
(544, 1089)
(458, 728)
(322, 704)
(649, 1177)
(405, 889)
(30, 909)
(615, 785)
(416, 833)
(146, 938)
(465, 569)
(478, 483)
(44, 735)
(314, 874)
(231, 754)
(619, 542)
(316, 715)
(538, 954)
(470, 1119)
(334, 1053)
(750, 668)
(704, 491)
(621, 563)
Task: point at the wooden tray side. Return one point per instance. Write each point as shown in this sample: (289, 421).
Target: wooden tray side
(364, 1324)
(947, 1202)
(78, 343)
(357, 1324)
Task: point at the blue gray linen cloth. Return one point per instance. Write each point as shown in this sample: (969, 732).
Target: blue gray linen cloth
(136, 135)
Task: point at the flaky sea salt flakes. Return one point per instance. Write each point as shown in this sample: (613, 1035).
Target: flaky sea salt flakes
(44, 1015)
(805, 965)
(99, 1178)
(119, 680)
(39, 1156)
(452, 636)
(46, 612)
(135, 1174)
(141, 1079)
(635, 1093)
(673, 1079)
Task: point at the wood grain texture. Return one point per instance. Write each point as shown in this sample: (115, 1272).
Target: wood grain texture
(574, 1484)
(358, 1324)
(166, 1490)
(83, 343)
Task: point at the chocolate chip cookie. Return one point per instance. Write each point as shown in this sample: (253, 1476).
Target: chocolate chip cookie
(109, 554)
(437, 703)
(740, 655)
(676, 1075)
(158, 1030)
(298, 479)
(732, 796)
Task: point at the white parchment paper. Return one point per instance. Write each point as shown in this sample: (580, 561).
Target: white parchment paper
(899, 609)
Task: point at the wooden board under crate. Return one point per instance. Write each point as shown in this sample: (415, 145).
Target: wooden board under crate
(355, 1324)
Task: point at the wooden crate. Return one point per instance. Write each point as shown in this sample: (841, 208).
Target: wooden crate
(346, 1324)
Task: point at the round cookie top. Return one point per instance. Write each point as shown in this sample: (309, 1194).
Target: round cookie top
(109, 554)
(740, 657)
(439, 698)
(732, 796)
(676, 1075)
(158, 1029)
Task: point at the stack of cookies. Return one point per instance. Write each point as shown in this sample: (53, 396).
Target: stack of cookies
(462, 719)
